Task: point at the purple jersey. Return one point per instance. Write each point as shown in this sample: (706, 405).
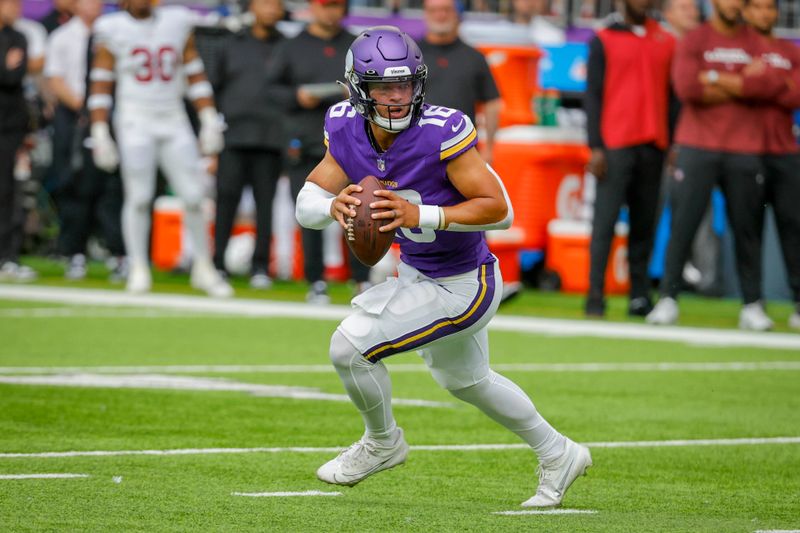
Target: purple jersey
(414, 167)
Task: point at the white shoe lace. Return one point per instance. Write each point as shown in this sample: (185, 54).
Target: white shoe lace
(357, 455)
(545, 475)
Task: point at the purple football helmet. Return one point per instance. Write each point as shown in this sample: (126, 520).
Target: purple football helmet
(385, 54)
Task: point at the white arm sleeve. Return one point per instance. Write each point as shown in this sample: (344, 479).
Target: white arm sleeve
(313, 206)
(501, 224)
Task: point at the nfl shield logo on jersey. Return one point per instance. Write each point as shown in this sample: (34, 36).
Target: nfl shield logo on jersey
(381, 165)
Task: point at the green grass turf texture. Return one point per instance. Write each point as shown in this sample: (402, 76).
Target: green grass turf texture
(714, 488)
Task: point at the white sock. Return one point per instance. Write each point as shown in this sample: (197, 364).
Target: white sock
(368, 386)
(197, 230)
(508, 405)
(136, 232)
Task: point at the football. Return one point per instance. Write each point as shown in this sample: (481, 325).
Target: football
(367, 243)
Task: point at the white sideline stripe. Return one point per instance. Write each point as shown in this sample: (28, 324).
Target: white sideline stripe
(546, 512)
(261, 308)
(723, 366)
(190, 383)
(430, 448)
(42, 476)
(285, 494)
(73, 312)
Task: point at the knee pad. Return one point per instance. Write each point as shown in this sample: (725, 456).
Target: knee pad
(342, 352)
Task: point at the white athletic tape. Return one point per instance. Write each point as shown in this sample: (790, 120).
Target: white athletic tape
(101, 74)
(99, 101)
(201, 89)
(195, 66)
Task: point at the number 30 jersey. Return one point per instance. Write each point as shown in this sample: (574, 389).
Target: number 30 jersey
(414, 167)
(148, 56)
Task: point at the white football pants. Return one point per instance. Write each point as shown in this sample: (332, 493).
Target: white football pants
(147, 141)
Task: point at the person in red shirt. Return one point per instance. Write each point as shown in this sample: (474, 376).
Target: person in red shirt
(718, 75)
(781, 157)
(627, 111)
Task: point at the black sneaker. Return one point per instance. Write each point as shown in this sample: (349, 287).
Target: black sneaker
(595, 306)
(640, 306)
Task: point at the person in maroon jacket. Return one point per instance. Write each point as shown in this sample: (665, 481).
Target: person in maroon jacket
(721, 80)
(627, 108)
(781, 158)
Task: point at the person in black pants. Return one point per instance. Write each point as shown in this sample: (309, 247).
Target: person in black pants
(719, 96)
(91, 196)
(781, 156)
(85, 193)
(627, 108)
(303, 79)
(13, 126)
(254, 136)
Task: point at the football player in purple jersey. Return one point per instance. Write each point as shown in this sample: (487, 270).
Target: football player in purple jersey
(441, 197)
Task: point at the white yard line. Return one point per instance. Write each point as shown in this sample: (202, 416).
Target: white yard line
(94, 312)
(42, 476)
(261, 308)
(285, 494)
(429, 448)
(546, 512)
(191, 383)
(722, 366)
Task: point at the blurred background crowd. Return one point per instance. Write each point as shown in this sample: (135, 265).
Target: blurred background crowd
(647, 146)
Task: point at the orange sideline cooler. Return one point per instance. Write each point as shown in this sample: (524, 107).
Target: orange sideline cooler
(167, 248)
(568, 256)
(542, 168)
(515, 70)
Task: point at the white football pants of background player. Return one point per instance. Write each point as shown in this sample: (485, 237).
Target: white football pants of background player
(148, 140)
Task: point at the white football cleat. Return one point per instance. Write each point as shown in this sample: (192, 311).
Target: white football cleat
(752, 317)
(362, 459)
(794, 320)
(139, 280)
(557, 476)
(665, 313)
(206, 278)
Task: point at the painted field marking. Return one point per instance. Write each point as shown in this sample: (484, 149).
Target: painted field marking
(546, 512)
(285, 494)
(160, 382)
(429, 448)
(723, 366)
(42, 476)
(95, 312)
(261, 308)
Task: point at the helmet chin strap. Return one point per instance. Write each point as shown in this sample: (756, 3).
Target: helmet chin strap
(392, 125)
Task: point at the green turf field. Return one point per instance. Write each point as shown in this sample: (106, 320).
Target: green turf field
(719, 486)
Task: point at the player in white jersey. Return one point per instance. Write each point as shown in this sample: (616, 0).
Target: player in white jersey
(147, 57)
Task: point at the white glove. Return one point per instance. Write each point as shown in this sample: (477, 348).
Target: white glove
(104, 150)
(211, 128)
